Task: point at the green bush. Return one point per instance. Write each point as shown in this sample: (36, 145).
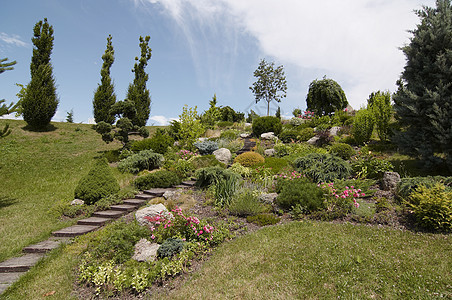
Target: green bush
(300, 192)
(232, 145)
(263, 219)
(371, 167)
(323, 167)
(170, 247)
(205, 161)
(344, 151)
(159, 143)
(296, 149)
(158, 179)
(306, 133)
(230, 115)
(408, 185)
(97, 184)
(240, 170)
(249, 159)
(112, 155)
(363, 125)
(225, 124)
(212, 175)
(206, 147)
(288, 136)
(224, 190)
(266, 124)
(276, 164)
(144, 160)
(246, 203)
(183, 168)
(432, 207)
(230, 134)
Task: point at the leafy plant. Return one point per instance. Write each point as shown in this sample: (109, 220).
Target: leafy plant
(158, 143)
(288, 136)
(213, 175)
(344, 151)
(300, 192)
(249, 159)
(144, 160)
(266, 124)
(240, 170)
(323, 167)
(158, 179)
(190, 127)
(306, 133)
(230, 134)
(368, 166)
(408, 185)
(170, 247)
(206, 147)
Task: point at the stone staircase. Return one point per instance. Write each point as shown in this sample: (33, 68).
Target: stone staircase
(13, 268)
(247, 146)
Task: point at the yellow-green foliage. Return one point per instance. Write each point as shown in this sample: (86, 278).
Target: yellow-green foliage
(249, 159)
(432, 207)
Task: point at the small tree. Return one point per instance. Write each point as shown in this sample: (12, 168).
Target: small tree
(70, 116)
(137, 92)
(380, 104)
(190, 127)
(271, 83)
(40, 101)
(212, 115)
(325, 97)
(363, 126)
(105, 97)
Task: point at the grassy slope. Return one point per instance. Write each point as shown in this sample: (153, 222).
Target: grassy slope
(38, 169)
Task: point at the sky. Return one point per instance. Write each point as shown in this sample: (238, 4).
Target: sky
(206, 47)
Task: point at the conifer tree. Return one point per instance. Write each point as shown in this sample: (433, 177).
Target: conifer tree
(423, 102)
(137, 92)
(40, 101)
(325, 97)
(105, 97)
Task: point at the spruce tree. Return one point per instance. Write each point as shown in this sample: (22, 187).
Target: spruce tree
(137, 92)
(40, 101)
(105, 97)
(423, 102)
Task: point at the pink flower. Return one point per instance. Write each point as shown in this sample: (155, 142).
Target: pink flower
(152, 236)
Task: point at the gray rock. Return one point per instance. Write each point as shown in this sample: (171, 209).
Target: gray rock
(334, 130)
(313, 140)
(248, 124)
(223, 155)
(77, 202)
(245, 135)
(145, 251)
(268, 198)
(269, 136)
(390, 181)
(171, 194)
(269, 152)
(202, 139)
(152, 211)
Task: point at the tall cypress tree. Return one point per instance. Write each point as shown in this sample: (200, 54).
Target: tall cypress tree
(40, 101)
(105, 97)
(137, 92)
(423, 102)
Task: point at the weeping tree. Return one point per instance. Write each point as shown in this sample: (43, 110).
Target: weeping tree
(423, 101)
(105, 97)
(40, 100)
(325, 97)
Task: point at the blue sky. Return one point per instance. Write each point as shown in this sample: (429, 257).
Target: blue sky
(202, 47)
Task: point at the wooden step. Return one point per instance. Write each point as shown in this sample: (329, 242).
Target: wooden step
(111, 214)
(21, 263)
(94, 221)
(75, 230)
(123, 207)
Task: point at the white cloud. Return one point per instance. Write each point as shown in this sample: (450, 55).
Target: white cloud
(12, 40)
(161, 120)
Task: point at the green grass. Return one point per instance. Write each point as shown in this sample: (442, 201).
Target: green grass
(39, 169)
(304, 260)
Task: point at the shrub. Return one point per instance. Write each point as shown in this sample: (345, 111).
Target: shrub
(225, 124)
(232, 145)
(212, 175)
(276, 164)
(246, 203)
(230, 115)
(249, 159)
(230, 134)
(371, 167)
(363, 125)
(159, 143)
(144, 160)
(300, 192)
(323, 167)
(306, 133)
(432, 207)
(288, 136)
(206, 147)
(324, 138)
(112, 155)
(158, 179)
(263, 219)
(295, 121)
(408, 185)
(266, 124)
(97, 184)
(240, 170)
(183, 168)
(296, 149)
(344, 151)
(206, 161)
(170, 247)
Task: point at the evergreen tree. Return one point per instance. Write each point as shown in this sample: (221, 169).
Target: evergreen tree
(6, 109)
(137, 92)
(6, 66)
(380, 105)
(40, 102)
(325, 97)
(105, 97)
(70, 116)
(423, 102)
(212, 115)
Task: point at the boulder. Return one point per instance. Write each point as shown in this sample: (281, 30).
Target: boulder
(245, 135)
(334, 130)
(390, 181)
(223, 155)
(77, 202)
(268, 136)
(268, 198)
(171, 194)
(313, 140)
(151, 211)
(248, 124)
(269, 152)
(145, 251)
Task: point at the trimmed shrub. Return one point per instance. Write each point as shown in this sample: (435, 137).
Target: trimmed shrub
(288, 136)
(300, 192)
(205, 161)
(170, 247)
(344, 151)
(206, 147)
(97, 184)
(158, 179)
(144, 160)
(249, 159)
(306, 133)
(323, 167)
(363, 125)
(408, 185)
(266, 124)
(159, 143)
(432, 207)
(212, 175)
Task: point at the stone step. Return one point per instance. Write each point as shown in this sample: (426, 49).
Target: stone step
(94, 221)
(158, 192)
(123, 207)
(21, 263)
(189, 183)
(135, 202)
(144, 197)
(7, 279)
(111, 214)
(46, 246)
(75, 230)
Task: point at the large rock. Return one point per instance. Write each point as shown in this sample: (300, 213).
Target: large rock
(268, 198)
(268, 136)
(223, 155)
(152, 211)
(245, 135)
(171, 194)
(77, 202)
(334, 130)
(390, 181)
(145, 251)
(313, 140)
(269, 152)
